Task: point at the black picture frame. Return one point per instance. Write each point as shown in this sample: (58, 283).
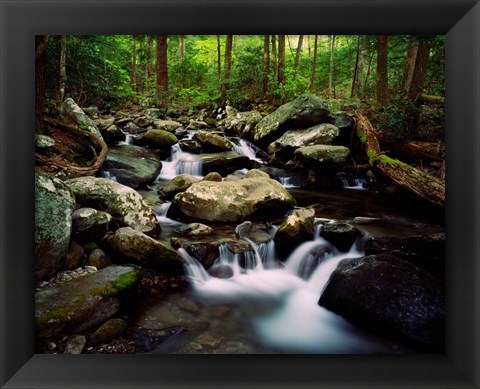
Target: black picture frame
(21, 20)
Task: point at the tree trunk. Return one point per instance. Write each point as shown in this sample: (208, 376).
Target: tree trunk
(415, 68)
(181, 47)
(365, 83)
(274, 61)
(331, 91)
(314, 65)
(148, 59)
(281, 64)
(162, 70)
(40, 81)
(415, 151)
(63, 73)
(355, 70)
(134, 63)
(421, 184)
(266, 63)
(219, 72)
(382, 70)
(297, 56)
(228, 63)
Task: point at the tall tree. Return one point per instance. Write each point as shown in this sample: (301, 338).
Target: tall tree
(274, 60)
(314, 65)
(219, 72)
(382, 70)
(331, 87)
(181, 47)
(63, 72)
(134, 63)
(228, 57)
(162, 70)
(148, 58)
(40, 80)
(266, 63)
(297, 56)
(281, 64)
(415, 68)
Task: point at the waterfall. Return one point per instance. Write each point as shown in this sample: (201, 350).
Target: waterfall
(287, 182)
(246, 148)
(180, 162)
(109, 175)
(349, 182)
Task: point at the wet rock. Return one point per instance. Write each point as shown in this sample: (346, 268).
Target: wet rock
(113, 134)
(232, 201)
(71, 110)
(144, 250)
(389, 295)
(132, 129)
(196, 125)
(213, 176)
(190, 146)
(341, 235)
(221, 271)
(107, 331)
(294, 230)
(98, 259)
(253, 173)
(133, 166)
(90, 225)
(176, 185)
(74, 256)
(195, 229)
(242, 229)
(319, 134)
(143, 121)
(304, 111)
(75, 344)
(83, 302)
(104, 123)
(242, 123)
(322, 154)
(159, 138)
(54, 205)
(122, 202)
(224, 163)
(212, 143)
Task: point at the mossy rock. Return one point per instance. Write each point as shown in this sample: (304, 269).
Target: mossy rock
(159, 138)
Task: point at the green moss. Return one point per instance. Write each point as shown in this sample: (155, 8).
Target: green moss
(372, 157)
(125, 281)
(362, 135)
(390, 161)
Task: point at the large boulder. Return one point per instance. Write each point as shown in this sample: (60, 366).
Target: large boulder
(224, 163)
(232, 201)
(82, 303)
(133, 166)
(71, 110)
(242, 123)
(144, 250)
(323, 134)
(54, 205)
(166, 125)
(89, 225)
(322, 154)
(176, 185)
(159, 138)
(389, 295)
(306, 110)
(122, 202)
(212, 142)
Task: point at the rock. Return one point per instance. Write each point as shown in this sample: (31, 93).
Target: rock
(224, 163)
(143, 121)
(221, 271)
(322, 154)
(82, 303)
(256, 173)
(153, 112)
(113, 134)
(342, 120)
(104, 123)
(242, 123)
(166, 125)
(190, 146)
(319, 134)
(54, 205)
(195, 229)
(294, 230)
(242, 229)
(196, 125)
(385, 293)
(306, 110)
(424, 251)
(132, 129)
(133, 166)
(181, 133)
(212, 143)
(232, 201)
(144, 250)
(74, 256)
(122, 202)
(159, 138)
(98, 259)
(71, 110)
(75, 344)
(92, 112)
(341, 235)
(107, 331)
(176, 185)
(90, 225)
(44, 141)
(213, 176)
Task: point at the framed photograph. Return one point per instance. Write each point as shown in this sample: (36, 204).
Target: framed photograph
(262, 306)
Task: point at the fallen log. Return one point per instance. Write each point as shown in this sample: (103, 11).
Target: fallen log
(71, 141)
(435, 100)
(416, 150)
(428, 187)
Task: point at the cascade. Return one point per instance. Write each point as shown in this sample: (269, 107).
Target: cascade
(180, 162)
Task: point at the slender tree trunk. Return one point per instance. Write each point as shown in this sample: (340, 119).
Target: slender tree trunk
(355, 70)
(266, 63)
(134, 63)
(331, 91)
(219, 72)
(40, 81)
(181, 47)
(281, 64)
(63, 73)
(228, 63)
(308, 46)
(162, 70)
(382, 70)
(314, 65)
(297, 56)
(369, 67)
(274, 60)
(415, 68)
